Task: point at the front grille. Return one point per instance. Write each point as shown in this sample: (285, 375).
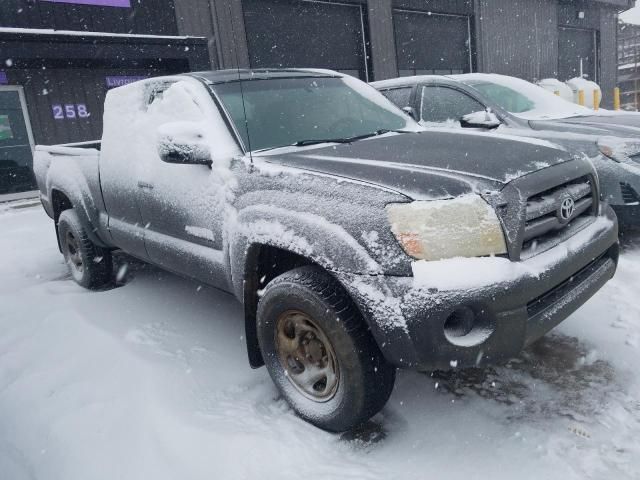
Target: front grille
(629, 195)
(552, 213)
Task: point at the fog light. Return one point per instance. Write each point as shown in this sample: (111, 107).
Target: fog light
(459, 323)
(468, 327)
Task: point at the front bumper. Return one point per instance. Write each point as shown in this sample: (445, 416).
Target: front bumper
(408, 322)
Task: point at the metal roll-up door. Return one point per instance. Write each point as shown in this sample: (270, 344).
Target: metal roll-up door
(290, 34)
(429, 43)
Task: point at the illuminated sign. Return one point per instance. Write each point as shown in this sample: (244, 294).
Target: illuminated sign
(3, 78)
(70, 111)
(102, 3)
(120, 80)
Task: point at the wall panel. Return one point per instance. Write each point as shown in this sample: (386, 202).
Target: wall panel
(518, 37)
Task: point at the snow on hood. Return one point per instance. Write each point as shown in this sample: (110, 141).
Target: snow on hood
(435, 164)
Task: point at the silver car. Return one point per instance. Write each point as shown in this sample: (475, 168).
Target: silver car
(501, 105)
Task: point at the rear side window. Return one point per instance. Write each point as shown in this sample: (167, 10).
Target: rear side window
(440, 104)
(400, 96)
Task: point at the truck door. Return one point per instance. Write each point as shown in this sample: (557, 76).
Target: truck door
(183, 206)
(122, 158)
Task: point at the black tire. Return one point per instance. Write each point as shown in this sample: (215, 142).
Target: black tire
(90, 265)
(309, 296)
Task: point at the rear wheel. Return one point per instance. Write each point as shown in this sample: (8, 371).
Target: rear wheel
(90, 265)
(319, 351)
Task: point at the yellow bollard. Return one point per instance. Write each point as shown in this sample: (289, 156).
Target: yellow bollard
(581, 97)
(596, 99)
(557, 93)
(616, 98)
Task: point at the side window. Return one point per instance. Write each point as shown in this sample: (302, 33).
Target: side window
(400, 96)
(440, 104)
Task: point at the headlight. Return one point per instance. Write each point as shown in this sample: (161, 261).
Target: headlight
(433, 230)
(620, 150)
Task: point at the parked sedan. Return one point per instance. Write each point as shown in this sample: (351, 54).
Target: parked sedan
(507, 105)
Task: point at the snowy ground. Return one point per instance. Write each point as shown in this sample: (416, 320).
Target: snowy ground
(150, 381)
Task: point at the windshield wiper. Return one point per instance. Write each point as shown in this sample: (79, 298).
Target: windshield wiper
(382, 131)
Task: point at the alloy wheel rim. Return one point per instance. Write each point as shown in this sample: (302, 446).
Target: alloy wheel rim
(73, 252)
(307, 356)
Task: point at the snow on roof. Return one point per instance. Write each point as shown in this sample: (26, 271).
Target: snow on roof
(628, 65)
(631, 16)
(401, 81)
(76, 33)
(226, 75)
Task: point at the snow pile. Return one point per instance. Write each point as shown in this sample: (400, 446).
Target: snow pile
(586, 86)
(151, 380)
(554, 85)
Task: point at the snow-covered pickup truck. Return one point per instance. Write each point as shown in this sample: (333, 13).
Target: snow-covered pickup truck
(357, 241)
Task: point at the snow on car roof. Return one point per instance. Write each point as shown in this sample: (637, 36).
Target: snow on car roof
(403, 81)
(231, 75)
(546, 105)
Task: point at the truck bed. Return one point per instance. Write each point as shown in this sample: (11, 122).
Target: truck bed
(71, 170)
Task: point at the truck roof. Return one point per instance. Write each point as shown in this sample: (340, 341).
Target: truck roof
(233, 75)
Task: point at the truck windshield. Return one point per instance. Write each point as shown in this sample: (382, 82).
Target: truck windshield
(281, 112)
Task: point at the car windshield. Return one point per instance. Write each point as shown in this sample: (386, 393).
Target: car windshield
(522, 98)
(281, 112)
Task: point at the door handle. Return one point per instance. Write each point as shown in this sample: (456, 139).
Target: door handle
(145, 185)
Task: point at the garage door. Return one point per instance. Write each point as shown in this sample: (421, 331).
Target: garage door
(577, 53)
(429, 43)
(287, 33)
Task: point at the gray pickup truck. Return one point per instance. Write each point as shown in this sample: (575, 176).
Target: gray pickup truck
(357, 241)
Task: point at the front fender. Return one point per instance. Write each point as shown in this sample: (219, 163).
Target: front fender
(308, 235)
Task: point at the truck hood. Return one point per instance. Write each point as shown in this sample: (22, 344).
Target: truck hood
(434, 164)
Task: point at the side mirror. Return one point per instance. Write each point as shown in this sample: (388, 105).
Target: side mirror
(183, 143)
(410, 111)
(484, 119)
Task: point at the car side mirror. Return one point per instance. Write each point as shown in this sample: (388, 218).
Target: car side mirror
(410, 111)
(183, 143)
(483, 119)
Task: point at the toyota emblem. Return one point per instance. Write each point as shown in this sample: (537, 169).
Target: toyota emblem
(567, 207)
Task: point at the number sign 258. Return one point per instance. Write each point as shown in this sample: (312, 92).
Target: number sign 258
(70, 111)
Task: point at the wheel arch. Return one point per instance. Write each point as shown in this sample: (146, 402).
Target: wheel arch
(269, 241)
(264, 262)
(61, 200)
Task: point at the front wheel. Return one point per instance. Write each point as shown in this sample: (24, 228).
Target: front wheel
(319, 351)
(90, 265)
